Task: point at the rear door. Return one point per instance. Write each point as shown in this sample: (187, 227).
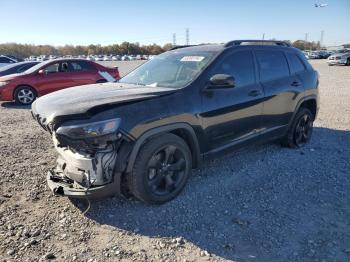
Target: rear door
(231, 114)
(82, 72)
(280, 87)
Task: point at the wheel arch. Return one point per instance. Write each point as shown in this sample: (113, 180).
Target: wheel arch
(183, 130)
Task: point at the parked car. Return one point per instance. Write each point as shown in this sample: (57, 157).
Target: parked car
(342, 57)
(150, 129)
(116, 58)
(17, 68)
(125, 58)
(6, 60)
(53, 75)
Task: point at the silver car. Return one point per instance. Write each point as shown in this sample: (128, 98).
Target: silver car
(342, 57)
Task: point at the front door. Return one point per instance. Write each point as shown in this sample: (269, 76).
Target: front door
(232, 114)
(54, 77)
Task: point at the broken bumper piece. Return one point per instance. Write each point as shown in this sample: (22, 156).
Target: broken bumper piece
(62, 186)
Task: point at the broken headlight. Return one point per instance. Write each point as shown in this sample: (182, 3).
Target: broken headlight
(89, 130)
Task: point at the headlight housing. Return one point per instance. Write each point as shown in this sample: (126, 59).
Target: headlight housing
(90, 130)
(3, 83)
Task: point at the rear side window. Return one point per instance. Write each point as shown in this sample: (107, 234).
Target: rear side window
(240, 65)
(81, 66)
(24, 68)
(296, 65)
(5, 60)
(272, 65)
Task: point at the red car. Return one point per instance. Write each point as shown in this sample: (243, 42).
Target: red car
(53, 75)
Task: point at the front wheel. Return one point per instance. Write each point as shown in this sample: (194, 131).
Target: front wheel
(24, 95)
(161, 170)
(348, 62)
(299, 133)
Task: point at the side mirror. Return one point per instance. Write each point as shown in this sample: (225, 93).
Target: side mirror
(222, 81)
(42, 72)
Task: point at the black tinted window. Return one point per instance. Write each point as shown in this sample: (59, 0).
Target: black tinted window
(24, 68)
(5, 60)
(295, 63)
(272, 65)
(81, 66)
(240, 65)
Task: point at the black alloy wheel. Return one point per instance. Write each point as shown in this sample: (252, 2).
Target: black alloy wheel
(303, 130)
(161, 169)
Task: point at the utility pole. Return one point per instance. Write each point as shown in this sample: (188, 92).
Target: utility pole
(321, 40)
(263, 37)
(187, 36)
(174, 39)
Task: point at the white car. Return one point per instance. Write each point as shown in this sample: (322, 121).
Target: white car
(5, 60)
(342, 57)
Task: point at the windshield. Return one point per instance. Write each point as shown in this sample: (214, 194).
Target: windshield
(173, 69)
(37, 67)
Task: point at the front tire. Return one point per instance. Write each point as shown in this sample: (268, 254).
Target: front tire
(348, 62)
(24, 95)
(299, 133)
(161, 169)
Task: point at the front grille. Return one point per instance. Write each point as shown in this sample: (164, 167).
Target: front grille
(337, 58)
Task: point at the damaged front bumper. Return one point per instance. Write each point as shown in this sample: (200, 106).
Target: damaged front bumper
(85, 175)
(64, 187)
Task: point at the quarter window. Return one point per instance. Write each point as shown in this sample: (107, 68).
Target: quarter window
(272, 65)
(296, 65)
(240, 65)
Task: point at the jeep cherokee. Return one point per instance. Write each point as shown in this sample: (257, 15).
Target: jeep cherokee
(145, 133)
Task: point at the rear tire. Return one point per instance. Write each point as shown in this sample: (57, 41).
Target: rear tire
(299, 133)
(162, 168)
(25, 95)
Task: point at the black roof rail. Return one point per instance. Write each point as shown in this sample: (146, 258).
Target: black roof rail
(256, 42)
(180, 46)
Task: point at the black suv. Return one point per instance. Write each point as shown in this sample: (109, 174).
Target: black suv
(145, 133)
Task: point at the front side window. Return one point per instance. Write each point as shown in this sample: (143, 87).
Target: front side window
(53, 68)
(296, 65)
(240, 65)
(272, 65)
(173, 69)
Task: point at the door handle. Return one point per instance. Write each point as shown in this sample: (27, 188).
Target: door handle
(295, 83)
(254, 93)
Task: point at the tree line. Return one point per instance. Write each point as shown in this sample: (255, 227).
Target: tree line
(26, 50)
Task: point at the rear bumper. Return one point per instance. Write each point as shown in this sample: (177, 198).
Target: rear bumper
(62, 186)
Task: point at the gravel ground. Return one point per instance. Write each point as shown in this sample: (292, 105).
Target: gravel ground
(263, 203)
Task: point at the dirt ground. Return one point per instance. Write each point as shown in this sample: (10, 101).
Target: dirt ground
(263, 203)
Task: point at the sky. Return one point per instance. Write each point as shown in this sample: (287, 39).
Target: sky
(83, 22)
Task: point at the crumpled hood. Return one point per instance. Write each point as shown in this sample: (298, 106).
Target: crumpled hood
(81, 99)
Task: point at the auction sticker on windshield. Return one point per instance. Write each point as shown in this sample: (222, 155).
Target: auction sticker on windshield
(192, 58)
